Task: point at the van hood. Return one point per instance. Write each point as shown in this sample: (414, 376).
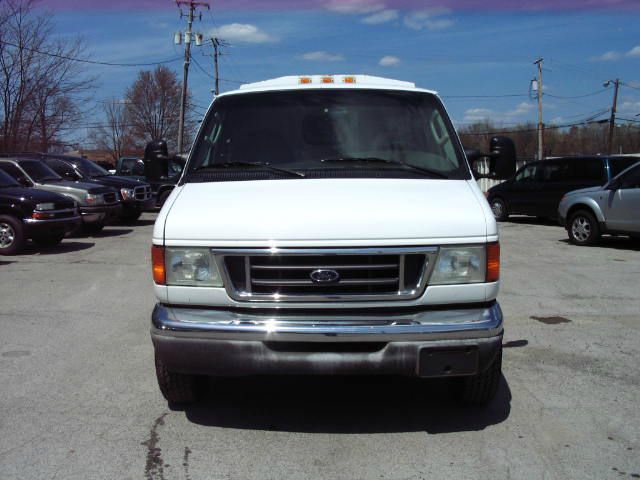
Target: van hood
(269, 212)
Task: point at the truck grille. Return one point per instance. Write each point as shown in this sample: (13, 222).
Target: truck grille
(325, 274)
(142, 193)
(111, 197)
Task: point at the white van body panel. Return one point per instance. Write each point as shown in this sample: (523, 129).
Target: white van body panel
(327, 211)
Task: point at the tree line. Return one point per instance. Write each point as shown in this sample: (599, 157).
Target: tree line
(587, 139)
(47, 98)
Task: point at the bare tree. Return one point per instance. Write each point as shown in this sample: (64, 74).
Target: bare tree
(114, 134)
(41, 85)
(153, 103)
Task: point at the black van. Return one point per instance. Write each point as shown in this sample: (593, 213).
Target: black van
(536, 189)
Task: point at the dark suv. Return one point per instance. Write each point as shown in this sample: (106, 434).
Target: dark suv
(135, 194)
(25, 213)
(96, 203)
(536, 189)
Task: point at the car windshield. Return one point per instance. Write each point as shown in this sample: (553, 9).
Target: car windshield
(339, 130)
(89, 168)
(38, 171)
(7, 181)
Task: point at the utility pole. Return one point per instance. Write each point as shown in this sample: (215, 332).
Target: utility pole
(217, 45)
(192, 6)
(540, 123)
(614, 108)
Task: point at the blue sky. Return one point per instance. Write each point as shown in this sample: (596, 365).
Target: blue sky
(456, 52)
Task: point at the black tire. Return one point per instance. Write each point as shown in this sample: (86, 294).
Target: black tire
(499, 209)
(480, 389)
(50, 240)
(93, 227)
(583, 228)
(177, 388)
(163, 197)
(12, 239)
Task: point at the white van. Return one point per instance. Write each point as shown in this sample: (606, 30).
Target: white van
(329, 225)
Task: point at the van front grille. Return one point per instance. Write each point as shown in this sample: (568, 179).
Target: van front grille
(325, 274)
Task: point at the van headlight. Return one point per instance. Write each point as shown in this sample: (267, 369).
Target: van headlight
(193, 267)
(460, 265)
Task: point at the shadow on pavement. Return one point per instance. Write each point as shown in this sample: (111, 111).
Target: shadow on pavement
(523, 220)
(618, 243)
(3, 262)
(107, 232)
(66, 246)
(142, 223)
(343, 405)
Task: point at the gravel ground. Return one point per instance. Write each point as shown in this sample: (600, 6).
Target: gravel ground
(79, 398)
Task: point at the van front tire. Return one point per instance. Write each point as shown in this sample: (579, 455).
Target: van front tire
(481, 388)
(177, 388)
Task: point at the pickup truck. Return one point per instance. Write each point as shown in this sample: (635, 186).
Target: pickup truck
(25, 213)
(156, 168)
(97, 204)
(329, 225)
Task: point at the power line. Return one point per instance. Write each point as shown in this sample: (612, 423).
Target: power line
(84, 60)
(597, 92)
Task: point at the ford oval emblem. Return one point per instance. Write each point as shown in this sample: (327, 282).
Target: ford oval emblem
(324, 276)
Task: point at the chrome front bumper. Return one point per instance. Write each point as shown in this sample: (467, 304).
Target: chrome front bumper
(427, 343)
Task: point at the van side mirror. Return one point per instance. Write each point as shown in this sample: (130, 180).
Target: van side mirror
(501, 163)
(156, 160)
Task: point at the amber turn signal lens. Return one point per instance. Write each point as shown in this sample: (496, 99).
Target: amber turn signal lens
(157, 260)
(493, 262)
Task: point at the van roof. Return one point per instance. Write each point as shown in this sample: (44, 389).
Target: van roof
(306, 82)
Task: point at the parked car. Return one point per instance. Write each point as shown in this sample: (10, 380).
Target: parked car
(136, 195)
(25, 213)
(536, 189)
(612, 209)
(157, 168)
(97, 204)
(329, 225)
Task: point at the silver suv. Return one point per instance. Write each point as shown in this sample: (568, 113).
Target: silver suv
(611, 209)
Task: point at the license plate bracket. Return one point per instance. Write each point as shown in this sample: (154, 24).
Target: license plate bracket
(448, 362)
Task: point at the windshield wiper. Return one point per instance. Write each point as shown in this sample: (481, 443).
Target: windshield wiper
(426, 171)
(216, 166)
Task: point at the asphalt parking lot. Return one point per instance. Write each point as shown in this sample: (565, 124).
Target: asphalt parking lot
(79, 400)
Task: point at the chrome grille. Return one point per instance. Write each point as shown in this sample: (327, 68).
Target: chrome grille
(110, 197)
(142, 193)
(325, 274)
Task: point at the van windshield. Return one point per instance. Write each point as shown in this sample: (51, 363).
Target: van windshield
(319, 133)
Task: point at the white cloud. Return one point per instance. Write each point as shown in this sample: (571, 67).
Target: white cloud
(480, 114)
(242, 33)
(389, 61)
(322, 56)
(630, 107)
(634, 52)
(429, 19)
(382, 16)
(607, 57)
(361, 7)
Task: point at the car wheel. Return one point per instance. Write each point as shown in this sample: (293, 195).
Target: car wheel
(499, 209)
(163, 197)
(50, 240)
(583, 228)
(481, 388)
(93, 227)
(12, 237)
(175, 387)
